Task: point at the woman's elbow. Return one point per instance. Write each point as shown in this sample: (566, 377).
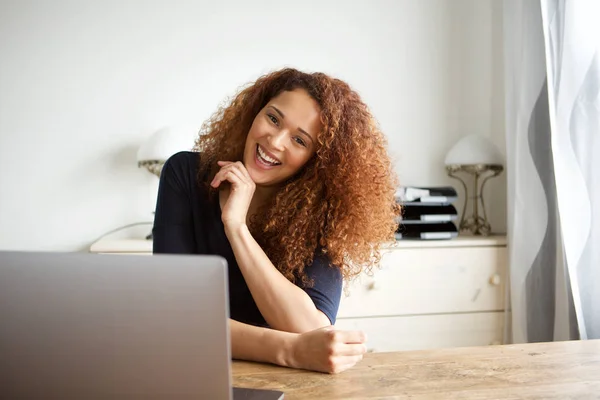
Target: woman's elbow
(318, 321)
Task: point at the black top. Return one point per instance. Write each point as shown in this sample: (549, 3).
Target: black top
(187, 221)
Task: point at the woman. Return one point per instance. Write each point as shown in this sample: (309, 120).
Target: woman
(292, 185)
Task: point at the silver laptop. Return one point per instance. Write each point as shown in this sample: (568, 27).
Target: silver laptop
(87, 326)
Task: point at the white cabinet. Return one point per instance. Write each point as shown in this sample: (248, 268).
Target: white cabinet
(426, 294)
(415, 332)
(125, 241)
(431, 295)
(123, 246)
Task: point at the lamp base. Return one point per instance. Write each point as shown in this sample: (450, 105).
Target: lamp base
(154, 166)
(475, 224)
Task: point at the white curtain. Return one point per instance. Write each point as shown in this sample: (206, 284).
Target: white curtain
(552, 78)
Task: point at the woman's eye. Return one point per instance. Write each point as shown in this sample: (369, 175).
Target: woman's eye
(300, 141)
(273, 119)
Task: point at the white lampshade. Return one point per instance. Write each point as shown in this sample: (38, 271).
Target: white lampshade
(472, 150)
(165, 142)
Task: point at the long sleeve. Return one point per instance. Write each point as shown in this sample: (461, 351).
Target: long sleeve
(173, 230)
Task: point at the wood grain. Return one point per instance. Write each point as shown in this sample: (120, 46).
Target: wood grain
(558, 370)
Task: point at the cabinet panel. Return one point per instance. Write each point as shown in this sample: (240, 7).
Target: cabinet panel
(428, 331)
(430, 281)
(122, 246)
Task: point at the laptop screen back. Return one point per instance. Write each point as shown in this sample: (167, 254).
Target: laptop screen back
(112, 326)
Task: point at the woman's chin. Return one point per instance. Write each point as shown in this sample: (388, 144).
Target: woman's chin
(264, 181)
(258, 177)
(263, 177)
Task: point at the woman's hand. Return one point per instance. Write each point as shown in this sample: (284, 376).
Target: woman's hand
(327, 350)
(242, 189)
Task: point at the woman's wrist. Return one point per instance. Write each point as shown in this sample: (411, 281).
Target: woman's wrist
(235, 230)
(282, 346)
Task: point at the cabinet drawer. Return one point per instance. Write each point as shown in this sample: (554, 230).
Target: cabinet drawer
(428, 331)
(430, 281)
(127, 254)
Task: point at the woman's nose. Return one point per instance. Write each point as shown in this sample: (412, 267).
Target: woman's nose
(277, 139)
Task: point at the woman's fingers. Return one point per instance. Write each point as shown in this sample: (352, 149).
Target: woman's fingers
(226, 175)
(240, 175)
(352, 349)
(240, 170)
(243, 169)
(349, 360)
(341, 363)
(221, 175)
(237, 168)
(348, 336)
(354, 337)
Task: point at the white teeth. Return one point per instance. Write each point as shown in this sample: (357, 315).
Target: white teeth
(266, 157)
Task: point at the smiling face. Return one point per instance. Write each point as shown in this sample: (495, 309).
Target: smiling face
(282, 138)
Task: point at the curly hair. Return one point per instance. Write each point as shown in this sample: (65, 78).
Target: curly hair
(341, 203)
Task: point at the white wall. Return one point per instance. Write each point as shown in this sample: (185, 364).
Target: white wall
(83, 83)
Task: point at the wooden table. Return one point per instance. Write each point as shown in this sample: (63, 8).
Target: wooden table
(556, 370)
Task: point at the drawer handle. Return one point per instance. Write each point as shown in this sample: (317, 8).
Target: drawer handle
(495, 280)
(373, 285)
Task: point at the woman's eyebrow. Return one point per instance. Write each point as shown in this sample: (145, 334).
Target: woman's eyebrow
(278, 111)
(283, 117)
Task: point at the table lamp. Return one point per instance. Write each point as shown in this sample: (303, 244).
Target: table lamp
(161, 145)
(477, 158)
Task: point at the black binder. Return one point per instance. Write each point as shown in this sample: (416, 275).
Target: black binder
(442, 230)
(432, 195)
(427, 213)
(422, 214)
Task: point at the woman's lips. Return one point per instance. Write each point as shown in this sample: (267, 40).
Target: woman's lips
(260, 162)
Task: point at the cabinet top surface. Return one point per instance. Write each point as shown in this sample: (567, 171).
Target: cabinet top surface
(135, 244)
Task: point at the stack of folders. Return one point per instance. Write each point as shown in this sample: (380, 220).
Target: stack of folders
(427, 213)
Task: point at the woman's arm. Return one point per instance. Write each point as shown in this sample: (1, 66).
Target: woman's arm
(325, 350)
(173, 233)
(283, 305)
(253, 343)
